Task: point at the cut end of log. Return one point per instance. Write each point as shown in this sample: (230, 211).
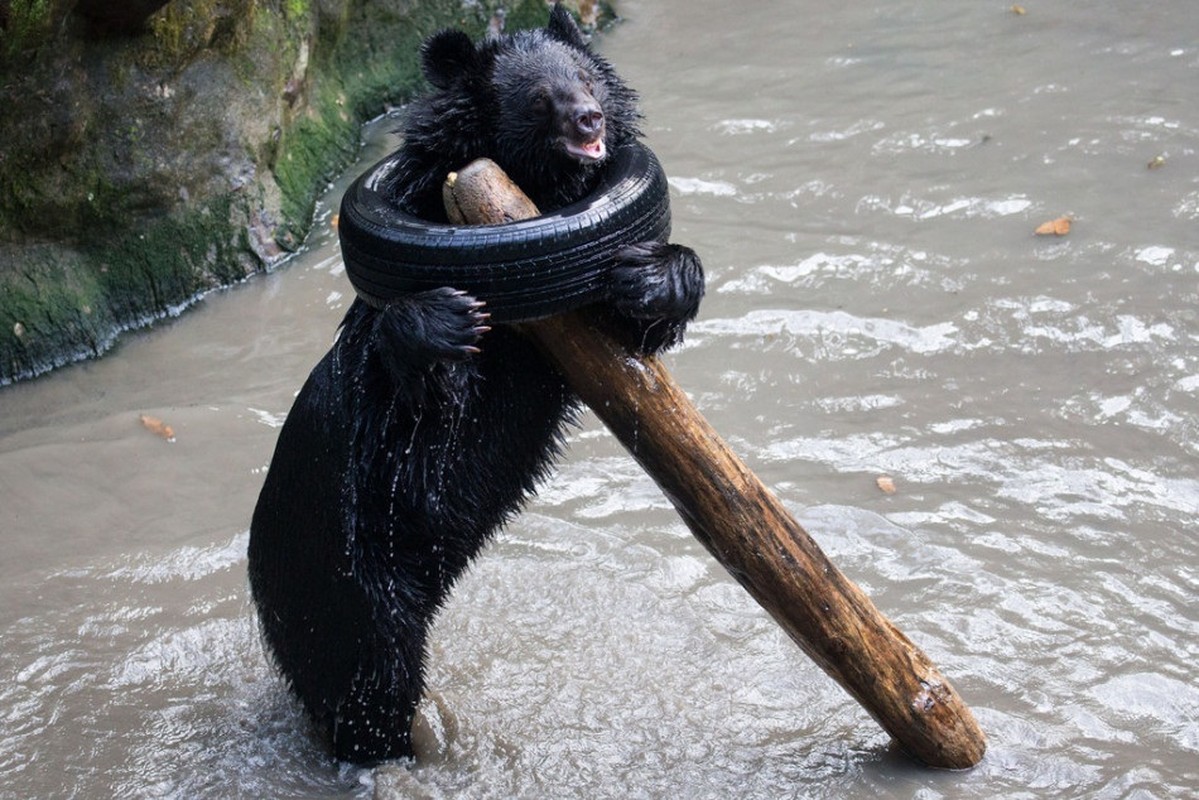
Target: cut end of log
(483, 191)
(944, 733)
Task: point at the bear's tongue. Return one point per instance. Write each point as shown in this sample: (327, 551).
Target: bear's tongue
(587, 151)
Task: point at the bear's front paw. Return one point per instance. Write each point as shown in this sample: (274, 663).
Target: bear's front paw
(436, 325)
(658, 281)
(450, 323)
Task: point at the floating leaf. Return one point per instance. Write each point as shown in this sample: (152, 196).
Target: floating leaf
(1018, 10)
(157, 427)
(885, 484)
(1054, 227)
(1157, 162)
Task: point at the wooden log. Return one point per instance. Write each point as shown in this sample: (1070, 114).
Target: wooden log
(739, 520)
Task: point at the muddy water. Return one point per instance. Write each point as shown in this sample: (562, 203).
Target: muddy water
(862, 180)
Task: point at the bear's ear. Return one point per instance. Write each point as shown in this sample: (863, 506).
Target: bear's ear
(563, 28)
(448, 56)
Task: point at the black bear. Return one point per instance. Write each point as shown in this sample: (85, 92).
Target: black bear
(423, 430)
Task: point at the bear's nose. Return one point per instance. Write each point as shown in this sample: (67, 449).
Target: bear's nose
(589, 119)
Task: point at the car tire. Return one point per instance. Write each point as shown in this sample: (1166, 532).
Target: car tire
(522, 270)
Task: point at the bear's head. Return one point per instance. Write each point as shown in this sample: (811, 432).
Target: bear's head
(539, 103)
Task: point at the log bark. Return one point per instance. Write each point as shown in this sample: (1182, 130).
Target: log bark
(743, 525)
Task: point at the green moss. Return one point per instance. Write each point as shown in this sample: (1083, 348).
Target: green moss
(50, 312)
(525, 15)
(313, 151)
(145, 274)
(181, 30)
(30, 24)
(57, 306)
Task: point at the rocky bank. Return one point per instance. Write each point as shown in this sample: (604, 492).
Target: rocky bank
(156, 151)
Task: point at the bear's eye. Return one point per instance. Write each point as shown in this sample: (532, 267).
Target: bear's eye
(584, 79)
(541, 101)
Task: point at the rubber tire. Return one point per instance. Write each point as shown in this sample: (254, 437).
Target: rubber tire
(522, 270)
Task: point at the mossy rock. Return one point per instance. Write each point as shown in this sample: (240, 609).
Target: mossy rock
(148, 162)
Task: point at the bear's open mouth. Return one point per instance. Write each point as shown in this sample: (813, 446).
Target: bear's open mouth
(586, 151)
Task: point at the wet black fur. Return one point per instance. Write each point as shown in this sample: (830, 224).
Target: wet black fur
(422, 431)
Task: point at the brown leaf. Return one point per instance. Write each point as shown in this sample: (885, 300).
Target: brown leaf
(588, 13)
(157, 427)
(1018, 10)
(886, 484)
(1054, 227)
(1158, 162)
